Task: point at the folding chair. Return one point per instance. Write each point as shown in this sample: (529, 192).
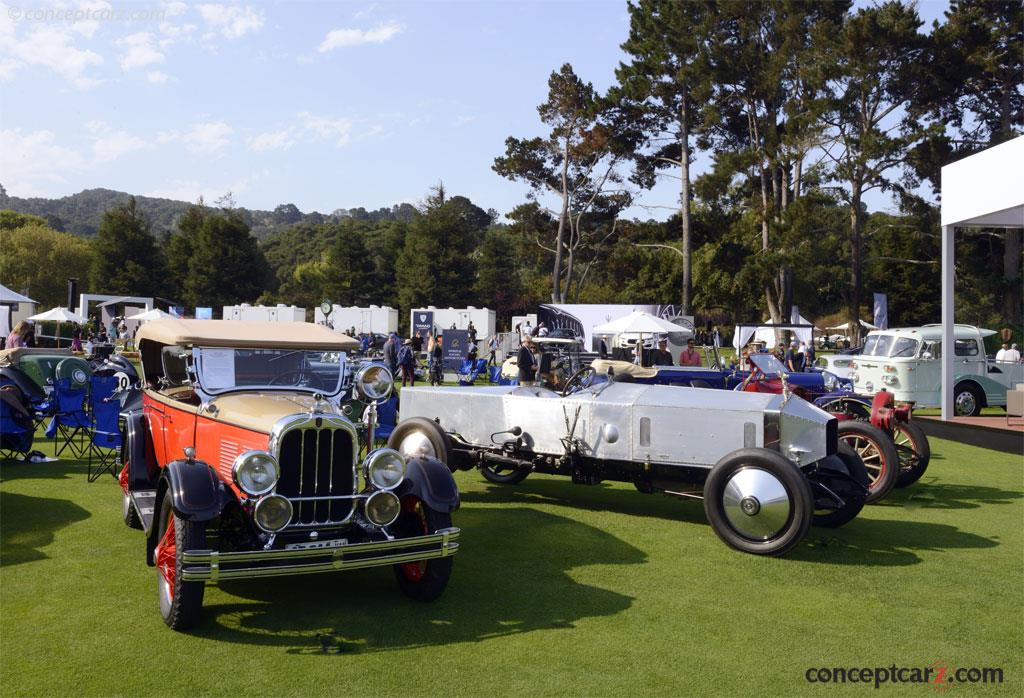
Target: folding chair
(16, 425)
(495, 374)
(464, 371)
(387, 418)
(105, 439)
(70, 421)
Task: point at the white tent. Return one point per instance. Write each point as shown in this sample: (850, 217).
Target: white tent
(980, 191)
(744, 334)
(846, 325)
(58, 314)
(8, 296)
(154, 314)
(638, 322)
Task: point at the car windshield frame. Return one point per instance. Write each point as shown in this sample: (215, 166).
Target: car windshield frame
(904, 348)
(881, 345)
(212, 366)
(768, 364)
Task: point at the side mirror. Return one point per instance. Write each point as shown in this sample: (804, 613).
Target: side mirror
(926, 355)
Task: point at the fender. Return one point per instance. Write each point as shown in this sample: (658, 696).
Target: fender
(195, 491)
(142, 467)
(432, 481)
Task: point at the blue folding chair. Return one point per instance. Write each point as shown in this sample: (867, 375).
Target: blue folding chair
(105, 431)
(70, 421)
(495, 375)
(464, 372)
(387, 418)
(16, 425)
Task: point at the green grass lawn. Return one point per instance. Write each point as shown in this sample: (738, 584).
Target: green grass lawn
(558, 590)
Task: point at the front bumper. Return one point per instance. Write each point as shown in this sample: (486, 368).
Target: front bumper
(210, 565)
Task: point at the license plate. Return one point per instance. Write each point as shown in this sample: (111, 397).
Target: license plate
(337, 543)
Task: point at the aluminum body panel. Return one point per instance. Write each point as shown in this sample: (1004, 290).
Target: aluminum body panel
(802, 435)
(621, 421)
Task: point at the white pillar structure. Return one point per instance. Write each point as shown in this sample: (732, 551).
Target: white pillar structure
(980, 191)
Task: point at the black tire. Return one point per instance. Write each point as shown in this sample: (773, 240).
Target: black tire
(425, 580)
(877, 452)
(733, 495)
(914, 452)
(181, 602)
(500, 476)
(420, 436)
(850, 483)
(131, 517)
(967, 400)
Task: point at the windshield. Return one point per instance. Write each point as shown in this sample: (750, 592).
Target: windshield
(904, 347)
(877, 344)
(221, 370)
(768, 364)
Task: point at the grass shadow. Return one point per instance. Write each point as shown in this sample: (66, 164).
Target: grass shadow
(54, 470)
(516, 586)
(876, 543)
(29, 524)
(943, 495)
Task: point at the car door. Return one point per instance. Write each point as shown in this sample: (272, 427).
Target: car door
(153, 410)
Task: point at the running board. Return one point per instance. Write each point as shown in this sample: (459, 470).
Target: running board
(143, 501)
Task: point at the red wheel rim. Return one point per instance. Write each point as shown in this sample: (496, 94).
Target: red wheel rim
(167, 555)
(871, 454)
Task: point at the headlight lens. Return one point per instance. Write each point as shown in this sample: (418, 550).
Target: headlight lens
(382, 508)
(273, 513)
(374, 382)
(385, 468)
(255, 472)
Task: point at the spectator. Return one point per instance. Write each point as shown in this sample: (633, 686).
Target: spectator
(602, 349)
(417, 343)
(391, 353)
(437, 359)
(527, 330)
(472, 333)
(19, 335)
(407, 362)
(1001, 354)
(472, 353)
(809, 355)
(76, 338)
(716, 337)
(689, 356)
(542, 330)
(431, 343)
(527, 361)
(780, 352)
(364, 344)
(492, 345)
(661, 356)
(794, 359)
(1012, 355)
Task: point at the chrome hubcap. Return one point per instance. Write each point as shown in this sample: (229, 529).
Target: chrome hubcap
(965, 403)
(756, 503)
(416, 445)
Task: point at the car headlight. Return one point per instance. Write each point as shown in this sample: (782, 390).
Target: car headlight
(889, 380)
(273, 513)
(255, 472)
(382, 508)
(385, 468)
(374, 382)
(869, 387)
(831, 383)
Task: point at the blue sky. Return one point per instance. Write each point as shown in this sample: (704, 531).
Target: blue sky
(325, 105)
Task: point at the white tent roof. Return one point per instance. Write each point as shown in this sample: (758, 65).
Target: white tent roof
(146, 316)
(846, 325)
(640, 322)
(58, 315)
(984, 189)
(9, 296)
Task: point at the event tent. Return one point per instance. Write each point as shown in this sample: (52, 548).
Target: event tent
(58, 315)
(640, 323)
(846, 325)
(154, 314)
(979, 191)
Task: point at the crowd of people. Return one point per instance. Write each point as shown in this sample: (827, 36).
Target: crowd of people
(83, 337)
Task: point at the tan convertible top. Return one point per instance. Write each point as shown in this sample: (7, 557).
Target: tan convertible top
(9, 357)
(623, 368)
(245, 335)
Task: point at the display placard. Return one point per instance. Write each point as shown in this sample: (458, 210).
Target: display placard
(455, 345)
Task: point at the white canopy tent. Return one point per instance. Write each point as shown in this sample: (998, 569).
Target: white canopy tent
(846, 325)
(744, 334)
(154, 314)
(980, 191)
(58, 315)
(640, 323)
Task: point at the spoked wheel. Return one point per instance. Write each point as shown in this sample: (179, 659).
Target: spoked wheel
(180, 602)
(877, 452)
(580, 380)
(503, 474)
(758, 502)
(844, 475)
(424, 580)
(914, 452)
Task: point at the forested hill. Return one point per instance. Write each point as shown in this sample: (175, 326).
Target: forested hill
(81, 213)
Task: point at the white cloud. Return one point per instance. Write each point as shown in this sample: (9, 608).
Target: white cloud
(192, 189)
(28, 159)
(47, 46)
(326, 128)
(232, 21)
(276, 140)
(156, 77)
(339, 38)
(86, 26)
(140, 51)
(110, 145)
(173, 9)
(207, 137)
(463, 119)
(366, 11)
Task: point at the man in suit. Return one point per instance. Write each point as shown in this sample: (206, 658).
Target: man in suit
(527, 361)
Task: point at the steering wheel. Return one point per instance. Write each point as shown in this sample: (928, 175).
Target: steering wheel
(581, 380)
(305, 379)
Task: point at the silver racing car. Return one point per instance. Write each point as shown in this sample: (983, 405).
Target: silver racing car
(766, 466)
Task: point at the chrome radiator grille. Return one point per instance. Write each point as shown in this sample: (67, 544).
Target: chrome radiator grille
(318, 462)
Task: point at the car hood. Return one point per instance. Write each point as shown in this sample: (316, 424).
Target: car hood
(259, 411)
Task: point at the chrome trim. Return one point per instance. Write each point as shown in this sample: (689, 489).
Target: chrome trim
(305, 421)
(241, 458)
(756, 503)
(373, 456)
(385, 494)
(211, 565)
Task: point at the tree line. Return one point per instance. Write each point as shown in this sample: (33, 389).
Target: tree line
(802, 108)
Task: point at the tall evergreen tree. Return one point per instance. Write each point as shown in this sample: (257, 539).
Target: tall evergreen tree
(126, 259)
(226, 266)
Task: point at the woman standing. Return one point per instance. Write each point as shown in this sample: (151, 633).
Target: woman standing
(19, 335)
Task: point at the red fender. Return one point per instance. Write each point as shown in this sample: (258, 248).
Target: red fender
(883, 414)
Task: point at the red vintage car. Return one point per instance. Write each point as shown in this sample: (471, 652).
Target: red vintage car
(242, 462)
